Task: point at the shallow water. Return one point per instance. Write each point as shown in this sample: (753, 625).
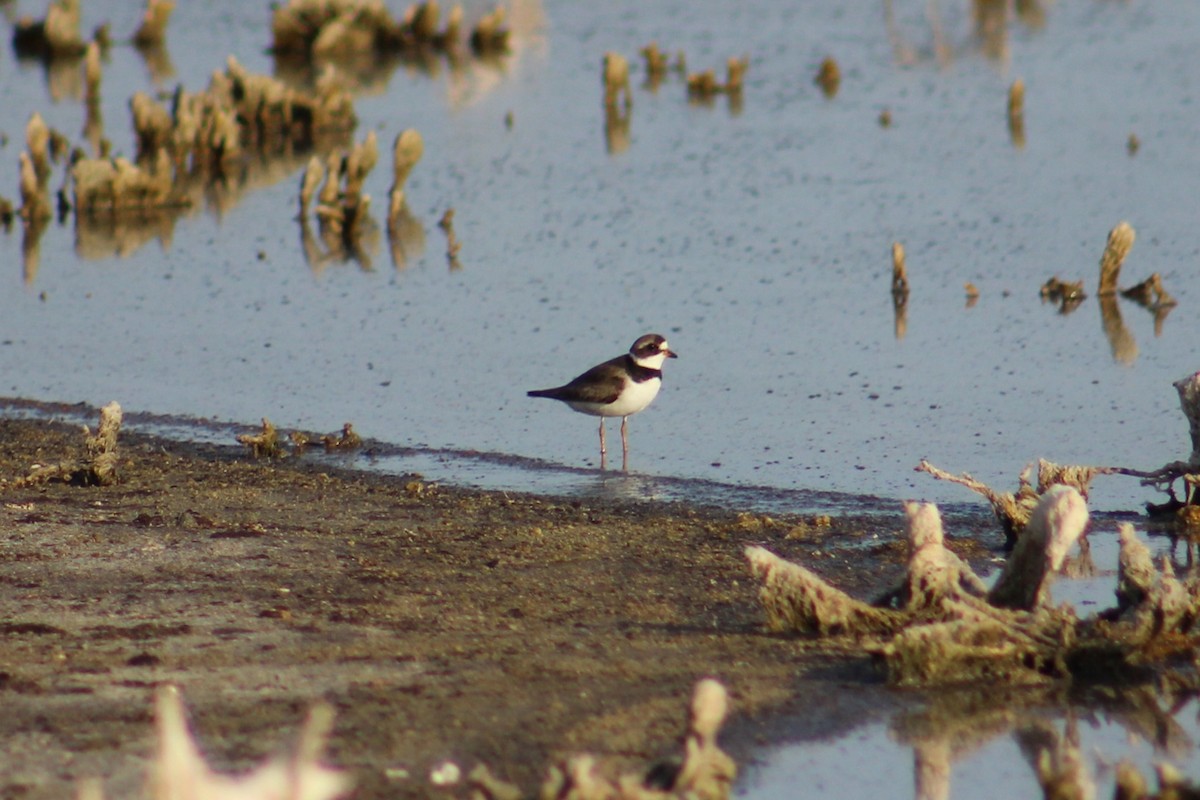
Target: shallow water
(757, 237)
(986, 760)
(981, 742)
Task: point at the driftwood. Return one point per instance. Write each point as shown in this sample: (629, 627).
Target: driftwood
(96, 466)
(1013, 509)
(1186, 472)
(939, 628)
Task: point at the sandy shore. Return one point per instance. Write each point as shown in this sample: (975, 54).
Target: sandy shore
(481, 627)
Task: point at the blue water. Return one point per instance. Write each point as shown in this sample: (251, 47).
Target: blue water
(756, 236)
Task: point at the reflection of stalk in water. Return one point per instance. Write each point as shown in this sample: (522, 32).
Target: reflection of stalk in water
(31, 247)
(158, 63)
(406, 236)
(1016, 113)
(616, 130)
(104, 233)
(1120, 341)
(899, 290)
(989, 34)
(959, 722)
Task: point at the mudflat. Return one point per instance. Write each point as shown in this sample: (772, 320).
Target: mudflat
(441, 623)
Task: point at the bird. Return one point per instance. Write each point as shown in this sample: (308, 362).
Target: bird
(620, 387)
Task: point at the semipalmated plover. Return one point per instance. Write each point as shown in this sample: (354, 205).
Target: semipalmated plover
(617, 388)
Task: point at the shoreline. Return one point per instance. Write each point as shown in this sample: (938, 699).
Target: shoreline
(441, 623)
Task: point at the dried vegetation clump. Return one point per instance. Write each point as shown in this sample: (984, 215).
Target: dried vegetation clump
(269, 443)
(942, 625)
(55, 36)
(342, 208)
(334, 28)
(829, 77)
(240, 109)
(152, 31)
(95, 465)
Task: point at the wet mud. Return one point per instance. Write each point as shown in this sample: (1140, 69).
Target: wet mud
(480, 627)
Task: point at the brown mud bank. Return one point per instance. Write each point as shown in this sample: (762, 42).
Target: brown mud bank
(440, 624)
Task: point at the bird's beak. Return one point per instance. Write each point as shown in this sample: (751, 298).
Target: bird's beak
(671, 354)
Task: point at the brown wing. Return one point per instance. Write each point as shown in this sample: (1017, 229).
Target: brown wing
(600, 384)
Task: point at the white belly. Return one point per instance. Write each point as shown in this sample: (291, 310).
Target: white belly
(635, 397)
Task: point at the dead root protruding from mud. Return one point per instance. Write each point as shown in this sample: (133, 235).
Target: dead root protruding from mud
(940, 626)
(704, 773)
(95, 466)
(1013, 509)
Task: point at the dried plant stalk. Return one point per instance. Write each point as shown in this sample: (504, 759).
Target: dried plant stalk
(406, 152)
(899, 272)
(616, 80)
(1120, 242)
